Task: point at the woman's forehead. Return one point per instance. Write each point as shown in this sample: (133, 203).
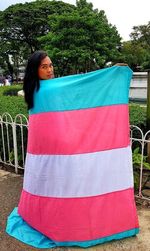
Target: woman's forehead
(46, 60)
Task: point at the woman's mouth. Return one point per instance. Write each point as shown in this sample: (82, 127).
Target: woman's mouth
(50, 75)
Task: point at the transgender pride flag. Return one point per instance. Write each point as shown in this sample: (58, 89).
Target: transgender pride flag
(78, 183)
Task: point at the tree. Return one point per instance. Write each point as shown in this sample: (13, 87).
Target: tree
(141, 34)
(133, 54)
(137, 51)
(81, 41)
(22, 24)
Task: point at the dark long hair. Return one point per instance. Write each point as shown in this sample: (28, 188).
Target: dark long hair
(31, 79)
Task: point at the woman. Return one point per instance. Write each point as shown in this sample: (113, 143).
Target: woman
(78, 182)
(39, 67)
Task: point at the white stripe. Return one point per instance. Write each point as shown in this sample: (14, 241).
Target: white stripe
(79, 175)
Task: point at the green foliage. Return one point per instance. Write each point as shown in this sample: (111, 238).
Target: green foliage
(136, 180)
(12, 104)
(29, 21)
(4, 89)
(12, 91)
(137, 156)
(9, 152)
(141, 34)
(20, 27)
(137, 115)
(15, 105)
(78, 38)
(137, 51)
(133, 54)
(80, 41)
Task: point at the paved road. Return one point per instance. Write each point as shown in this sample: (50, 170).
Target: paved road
(10, 188)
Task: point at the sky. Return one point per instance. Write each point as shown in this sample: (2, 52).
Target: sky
(124, 14)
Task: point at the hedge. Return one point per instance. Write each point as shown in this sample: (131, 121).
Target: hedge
(12, 104)
(15, 105)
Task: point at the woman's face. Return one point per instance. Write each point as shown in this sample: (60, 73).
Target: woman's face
(45, 70)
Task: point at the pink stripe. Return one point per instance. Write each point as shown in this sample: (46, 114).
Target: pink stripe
(80, 219)
(82, 131)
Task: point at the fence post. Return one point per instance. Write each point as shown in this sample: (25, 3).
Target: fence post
(148, 150)
(148, 113)
(15, 147)
(148, 101)
(3, 143)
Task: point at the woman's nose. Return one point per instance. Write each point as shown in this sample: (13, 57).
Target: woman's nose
(49, 69)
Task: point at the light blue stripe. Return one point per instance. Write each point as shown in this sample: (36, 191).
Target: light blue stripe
(103, 87)
(86, 244)
(19, 229)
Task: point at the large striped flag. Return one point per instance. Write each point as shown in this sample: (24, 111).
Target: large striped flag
(78, 183)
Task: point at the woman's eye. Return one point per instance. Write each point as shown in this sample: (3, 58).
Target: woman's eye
(47, 66)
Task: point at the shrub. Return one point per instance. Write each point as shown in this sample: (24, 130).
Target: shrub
(136, 158)
(12, 91)
(12, 104)
(137, 115)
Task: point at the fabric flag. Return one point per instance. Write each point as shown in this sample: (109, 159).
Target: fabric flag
(78, 182)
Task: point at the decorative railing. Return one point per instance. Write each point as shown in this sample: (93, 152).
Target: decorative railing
(13, 140)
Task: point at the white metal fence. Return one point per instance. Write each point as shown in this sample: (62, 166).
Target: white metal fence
(13, 143)
(13, 140)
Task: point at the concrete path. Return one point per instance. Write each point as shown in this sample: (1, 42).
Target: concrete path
(10, 188)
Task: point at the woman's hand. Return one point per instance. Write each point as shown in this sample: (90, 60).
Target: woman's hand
(121, 64)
